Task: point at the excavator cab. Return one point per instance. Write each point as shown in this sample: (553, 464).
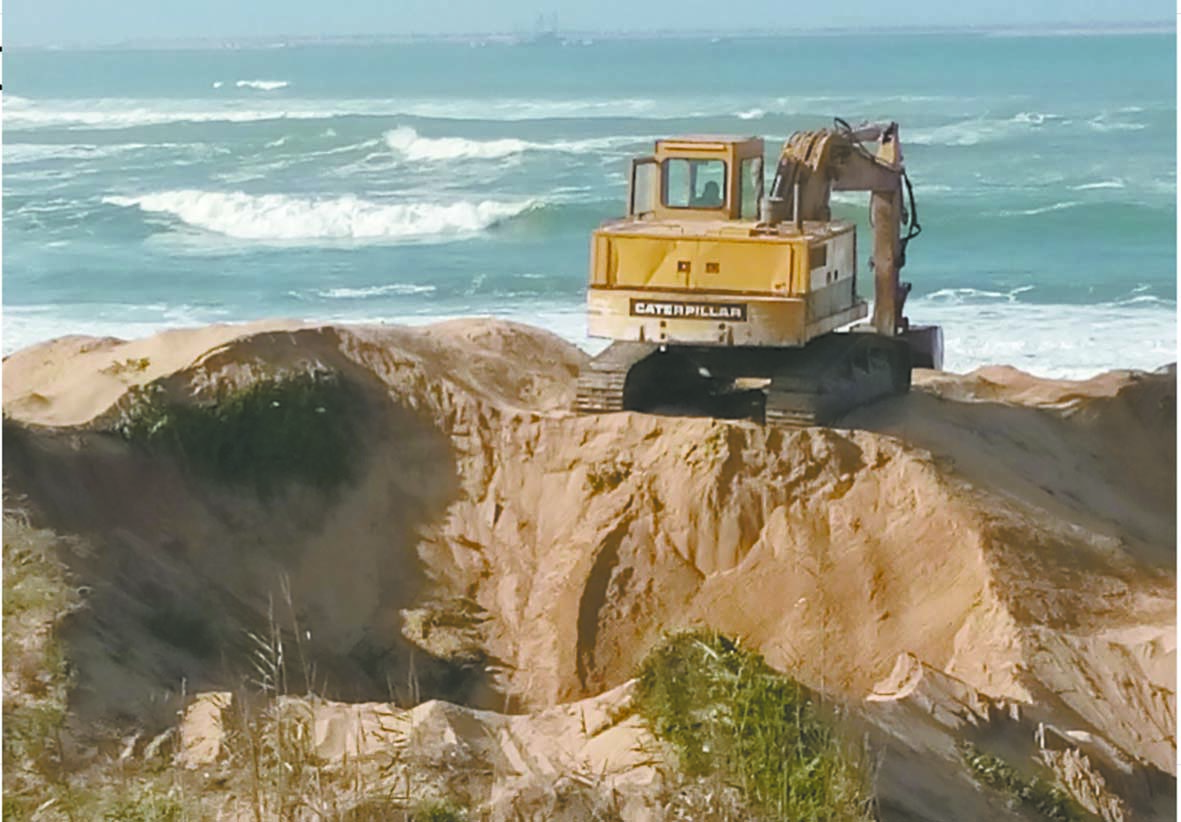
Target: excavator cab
(733, 300)
(698, 178)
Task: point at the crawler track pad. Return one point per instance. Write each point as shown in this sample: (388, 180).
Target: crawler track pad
(812, 385)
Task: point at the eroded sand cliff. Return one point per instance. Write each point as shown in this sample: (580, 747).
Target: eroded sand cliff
(990, 554)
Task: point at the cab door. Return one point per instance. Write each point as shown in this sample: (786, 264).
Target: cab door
(643, 187)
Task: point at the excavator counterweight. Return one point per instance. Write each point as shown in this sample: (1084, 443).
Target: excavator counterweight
(725, 298)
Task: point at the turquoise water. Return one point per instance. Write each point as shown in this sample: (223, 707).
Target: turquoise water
(146, 189)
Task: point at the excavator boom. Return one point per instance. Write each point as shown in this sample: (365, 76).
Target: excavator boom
(813, 164)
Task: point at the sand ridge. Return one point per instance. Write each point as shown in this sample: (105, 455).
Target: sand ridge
(1010, 534)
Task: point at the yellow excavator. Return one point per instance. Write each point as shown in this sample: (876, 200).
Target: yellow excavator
(723, 299)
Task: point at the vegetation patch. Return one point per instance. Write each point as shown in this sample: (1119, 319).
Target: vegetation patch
(607, 477)
(145, 802)
(727, 714)
(129, 366)
(299, 426)
(437, 811)
(451, 630)
(1033, 793)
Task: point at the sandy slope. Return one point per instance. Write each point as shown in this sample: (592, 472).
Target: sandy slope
(1011, 535)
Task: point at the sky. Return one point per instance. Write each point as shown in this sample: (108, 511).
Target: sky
(46, 22)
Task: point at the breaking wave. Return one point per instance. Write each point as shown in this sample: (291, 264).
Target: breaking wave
(409, 144)
(961, 296)
(278, 217)
(1115, 183)
(262, 85)
(751, 114)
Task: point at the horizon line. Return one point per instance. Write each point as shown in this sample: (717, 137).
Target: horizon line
(522, 35)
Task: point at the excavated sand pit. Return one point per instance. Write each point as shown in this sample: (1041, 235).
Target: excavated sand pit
(987, 558)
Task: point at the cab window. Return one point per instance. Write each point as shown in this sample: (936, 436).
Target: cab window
(750, 188)
(644, 186)
(694, 183)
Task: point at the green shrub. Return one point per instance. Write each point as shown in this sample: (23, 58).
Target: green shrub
(294, 426)
(437, 811)
(725, 712)
(1036, 794)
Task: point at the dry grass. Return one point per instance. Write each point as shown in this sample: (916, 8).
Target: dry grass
(267, 769)
(37, 596)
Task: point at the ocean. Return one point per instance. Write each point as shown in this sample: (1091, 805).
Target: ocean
(405, 182)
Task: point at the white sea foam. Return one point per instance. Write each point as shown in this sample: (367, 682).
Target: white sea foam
(23, 113)
(262, 85)
(15, 153)
(36, 152)
(1029, 212)
(1034, 118)
(403, 289)
(850, 198)
(1061, 341)
(980, 129)
(1115, 183)
(44, 206)
(218, 84)
(133, 114)
(408, 144)
(1145, 299)
(278, 217)
(1104, 123)
(129, 112)
(961, 296)
(967, 133)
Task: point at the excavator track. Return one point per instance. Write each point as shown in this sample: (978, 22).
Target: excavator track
(602, 382)
(846, 371)
(800, 387)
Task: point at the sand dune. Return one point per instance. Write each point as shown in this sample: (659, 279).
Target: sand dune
(992, 546)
